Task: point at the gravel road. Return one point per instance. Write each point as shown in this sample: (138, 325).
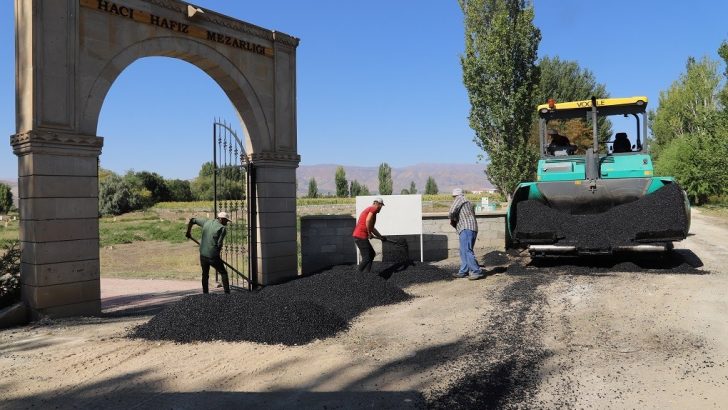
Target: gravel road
(639, 333)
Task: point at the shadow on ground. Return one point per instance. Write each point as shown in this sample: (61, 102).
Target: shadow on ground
(142, 304)
(130, 392)
(679, 261)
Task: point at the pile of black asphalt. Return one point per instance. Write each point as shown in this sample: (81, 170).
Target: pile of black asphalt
(293, 313)
(658, 215)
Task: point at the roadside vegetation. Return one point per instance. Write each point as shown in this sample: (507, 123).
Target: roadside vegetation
(690, 129)
(9, 273)
(140, 226)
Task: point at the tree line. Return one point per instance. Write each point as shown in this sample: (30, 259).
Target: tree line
(6, 198)
(353, 188)
(505, 83)
(133, 191)
(690, 129)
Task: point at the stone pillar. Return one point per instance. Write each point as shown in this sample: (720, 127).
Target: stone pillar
(276, 244)
(59, 222)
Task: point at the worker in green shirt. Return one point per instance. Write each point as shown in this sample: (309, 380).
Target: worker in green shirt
(213, 235)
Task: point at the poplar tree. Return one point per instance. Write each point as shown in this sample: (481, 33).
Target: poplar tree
(723, 53)
(412, 188)
(690, 129)
(312, 188)
(342, 186)
(689, 107)
(500, 74)
(385, 179)
(431, 186)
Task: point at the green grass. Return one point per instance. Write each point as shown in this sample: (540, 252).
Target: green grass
(114, 231)
(185, 206)
(9, 230)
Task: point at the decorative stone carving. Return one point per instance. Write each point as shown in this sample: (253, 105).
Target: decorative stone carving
(169, 5)
(53, 142)
(271, 158)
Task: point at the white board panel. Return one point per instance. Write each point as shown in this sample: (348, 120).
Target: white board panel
(400, 215)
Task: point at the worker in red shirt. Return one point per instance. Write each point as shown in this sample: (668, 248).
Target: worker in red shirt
(364, 230)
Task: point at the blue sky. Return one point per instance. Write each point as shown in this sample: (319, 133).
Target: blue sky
(378, 81)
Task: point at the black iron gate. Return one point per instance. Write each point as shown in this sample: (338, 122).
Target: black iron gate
(233, 190)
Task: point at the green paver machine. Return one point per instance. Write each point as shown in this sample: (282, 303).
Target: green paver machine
(603, 201)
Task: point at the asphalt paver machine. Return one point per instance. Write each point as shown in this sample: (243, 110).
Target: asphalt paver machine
(602, 201)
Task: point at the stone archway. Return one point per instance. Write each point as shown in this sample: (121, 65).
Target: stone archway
(68, 55)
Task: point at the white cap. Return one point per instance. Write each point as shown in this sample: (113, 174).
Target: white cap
(457, 191)
(223, 215)
(379, 199)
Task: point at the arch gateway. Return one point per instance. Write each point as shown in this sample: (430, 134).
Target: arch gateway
(68, 54)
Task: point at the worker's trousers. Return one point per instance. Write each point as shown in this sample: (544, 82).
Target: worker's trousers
(216, 263)
(468, 263)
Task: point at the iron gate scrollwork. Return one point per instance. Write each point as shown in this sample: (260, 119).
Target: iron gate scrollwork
(233, 192)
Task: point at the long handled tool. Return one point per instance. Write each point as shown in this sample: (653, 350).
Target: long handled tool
(404, 248)
(223, 261)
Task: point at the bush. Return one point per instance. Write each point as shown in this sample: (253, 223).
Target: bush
(135, 230)
(696, 162)
(10, 275)
(117, 196)
(6, 198)
(180, 190)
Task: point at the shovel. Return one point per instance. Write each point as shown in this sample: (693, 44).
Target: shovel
(221, 259)
(400, 244)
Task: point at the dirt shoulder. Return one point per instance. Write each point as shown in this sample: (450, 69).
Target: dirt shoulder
(544, 338)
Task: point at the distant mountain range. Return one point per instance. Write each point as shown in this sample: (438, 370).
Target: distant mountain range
(470, 177)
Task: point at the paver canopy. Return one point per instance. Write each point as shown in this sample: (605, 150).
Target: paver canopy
(69, 53)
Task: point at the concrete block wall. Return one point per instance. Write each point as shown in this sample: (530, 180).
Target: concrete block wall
(326, 239)
(441, 240)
